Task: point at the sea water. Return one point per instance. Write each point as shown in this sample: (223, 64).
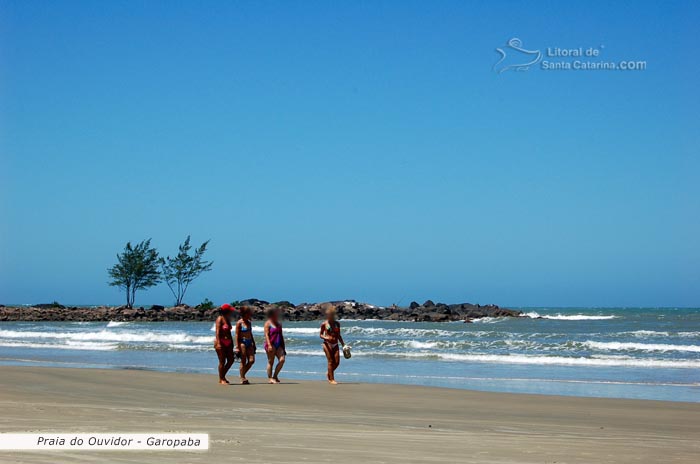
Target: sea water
(647, 353)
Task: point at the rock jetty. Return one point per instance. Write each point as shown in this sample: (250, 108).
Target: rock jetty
(347, 309)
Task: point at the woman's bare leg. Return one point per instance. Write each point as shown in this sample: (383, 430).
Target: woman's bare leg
(251, 361)
(221, 353)
(230, 358)
(244, 363)
(336, 361)
(247, 361)
(270, 362)
(330, 356)
(281, 356)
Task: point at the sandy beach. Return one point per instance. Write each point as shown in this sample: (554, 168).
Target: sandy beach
(362, 422)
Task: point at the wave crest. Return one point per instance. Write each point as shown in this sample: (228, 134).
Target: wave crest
(568, 317)
(623, 346)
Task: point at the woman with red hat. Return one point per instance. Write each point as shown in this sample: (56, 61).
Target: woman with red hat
(223, 343)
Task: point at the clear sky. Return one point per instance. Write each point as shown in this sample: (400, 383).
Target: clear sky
(361, 150)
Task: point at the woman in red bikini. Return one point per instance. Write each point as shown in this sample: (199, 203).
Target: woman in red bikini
(223, 343)
(274, 344)
(330, 334)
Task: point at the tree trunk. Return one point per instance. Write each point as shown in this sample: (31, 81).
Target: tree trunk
(128, 297)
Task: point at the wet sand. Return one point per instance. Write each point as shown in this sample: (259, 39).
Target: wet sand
(301, 421)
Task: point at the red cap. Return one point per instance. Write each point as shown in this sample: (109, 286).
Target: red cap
(227, 307)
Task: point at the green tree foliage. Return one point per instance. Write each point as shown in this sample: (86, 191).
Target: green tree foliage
(136, 269)
(206, 304)
(180, 271)
(284, 304)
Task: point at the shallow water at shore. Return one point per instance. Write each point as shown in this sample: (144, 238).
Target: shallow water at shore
(626, 353)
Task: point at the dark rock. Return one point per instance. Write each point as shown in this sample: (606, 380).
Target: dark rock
(303, 312)
(253, 302)
(55, 304)
(129, 313)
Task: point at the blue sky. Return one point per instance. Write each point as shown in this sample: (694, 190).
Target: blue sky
(352, 150)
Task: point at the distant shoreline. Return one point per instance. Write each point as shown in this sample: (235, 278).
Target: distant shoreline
(348, 309)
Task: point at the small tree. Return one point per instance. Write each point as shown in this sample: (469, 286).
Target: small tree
(136, 269)
(206, 304)
(180, 271)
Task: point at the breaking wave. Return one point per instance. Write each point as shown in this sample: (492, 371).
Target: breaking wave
(569, 317)
(111, 324)
(69, 345)
(109, 336)
(621, 346)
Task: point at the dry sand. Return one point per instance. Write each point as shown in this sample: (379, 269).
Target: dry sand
(351, 423)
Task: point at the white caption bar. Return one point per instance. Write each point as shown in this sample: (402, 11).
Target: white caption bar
(105, 441)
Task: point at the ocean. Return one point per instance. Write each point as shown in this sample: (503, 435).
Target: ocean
(647, 353)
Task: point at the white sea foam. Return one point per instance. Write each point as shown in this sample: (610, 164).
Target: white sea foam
(182, 347)
(70, 345)
(647, 333)
(318, 352)
(116, 324)
(609, 361)
(109, 336)
(401, 332)
(568, 317)
(489, 320)
(299, 330)
(421, 345)
(258, 330)
(612, 361)
(621, 346)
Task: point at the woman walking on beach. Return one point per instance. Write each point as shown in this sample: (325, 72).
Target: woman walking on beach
(330, 334)
(274, 345)
(245, 343)
(223, 343)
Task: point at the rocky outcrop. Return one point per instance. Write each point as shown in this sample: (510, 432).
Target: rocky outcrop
(347, 309)
(54, 305)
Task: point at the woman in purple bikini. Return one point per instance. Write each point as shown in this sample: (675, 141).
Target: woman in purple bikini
(274, 345)
(223, 343)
